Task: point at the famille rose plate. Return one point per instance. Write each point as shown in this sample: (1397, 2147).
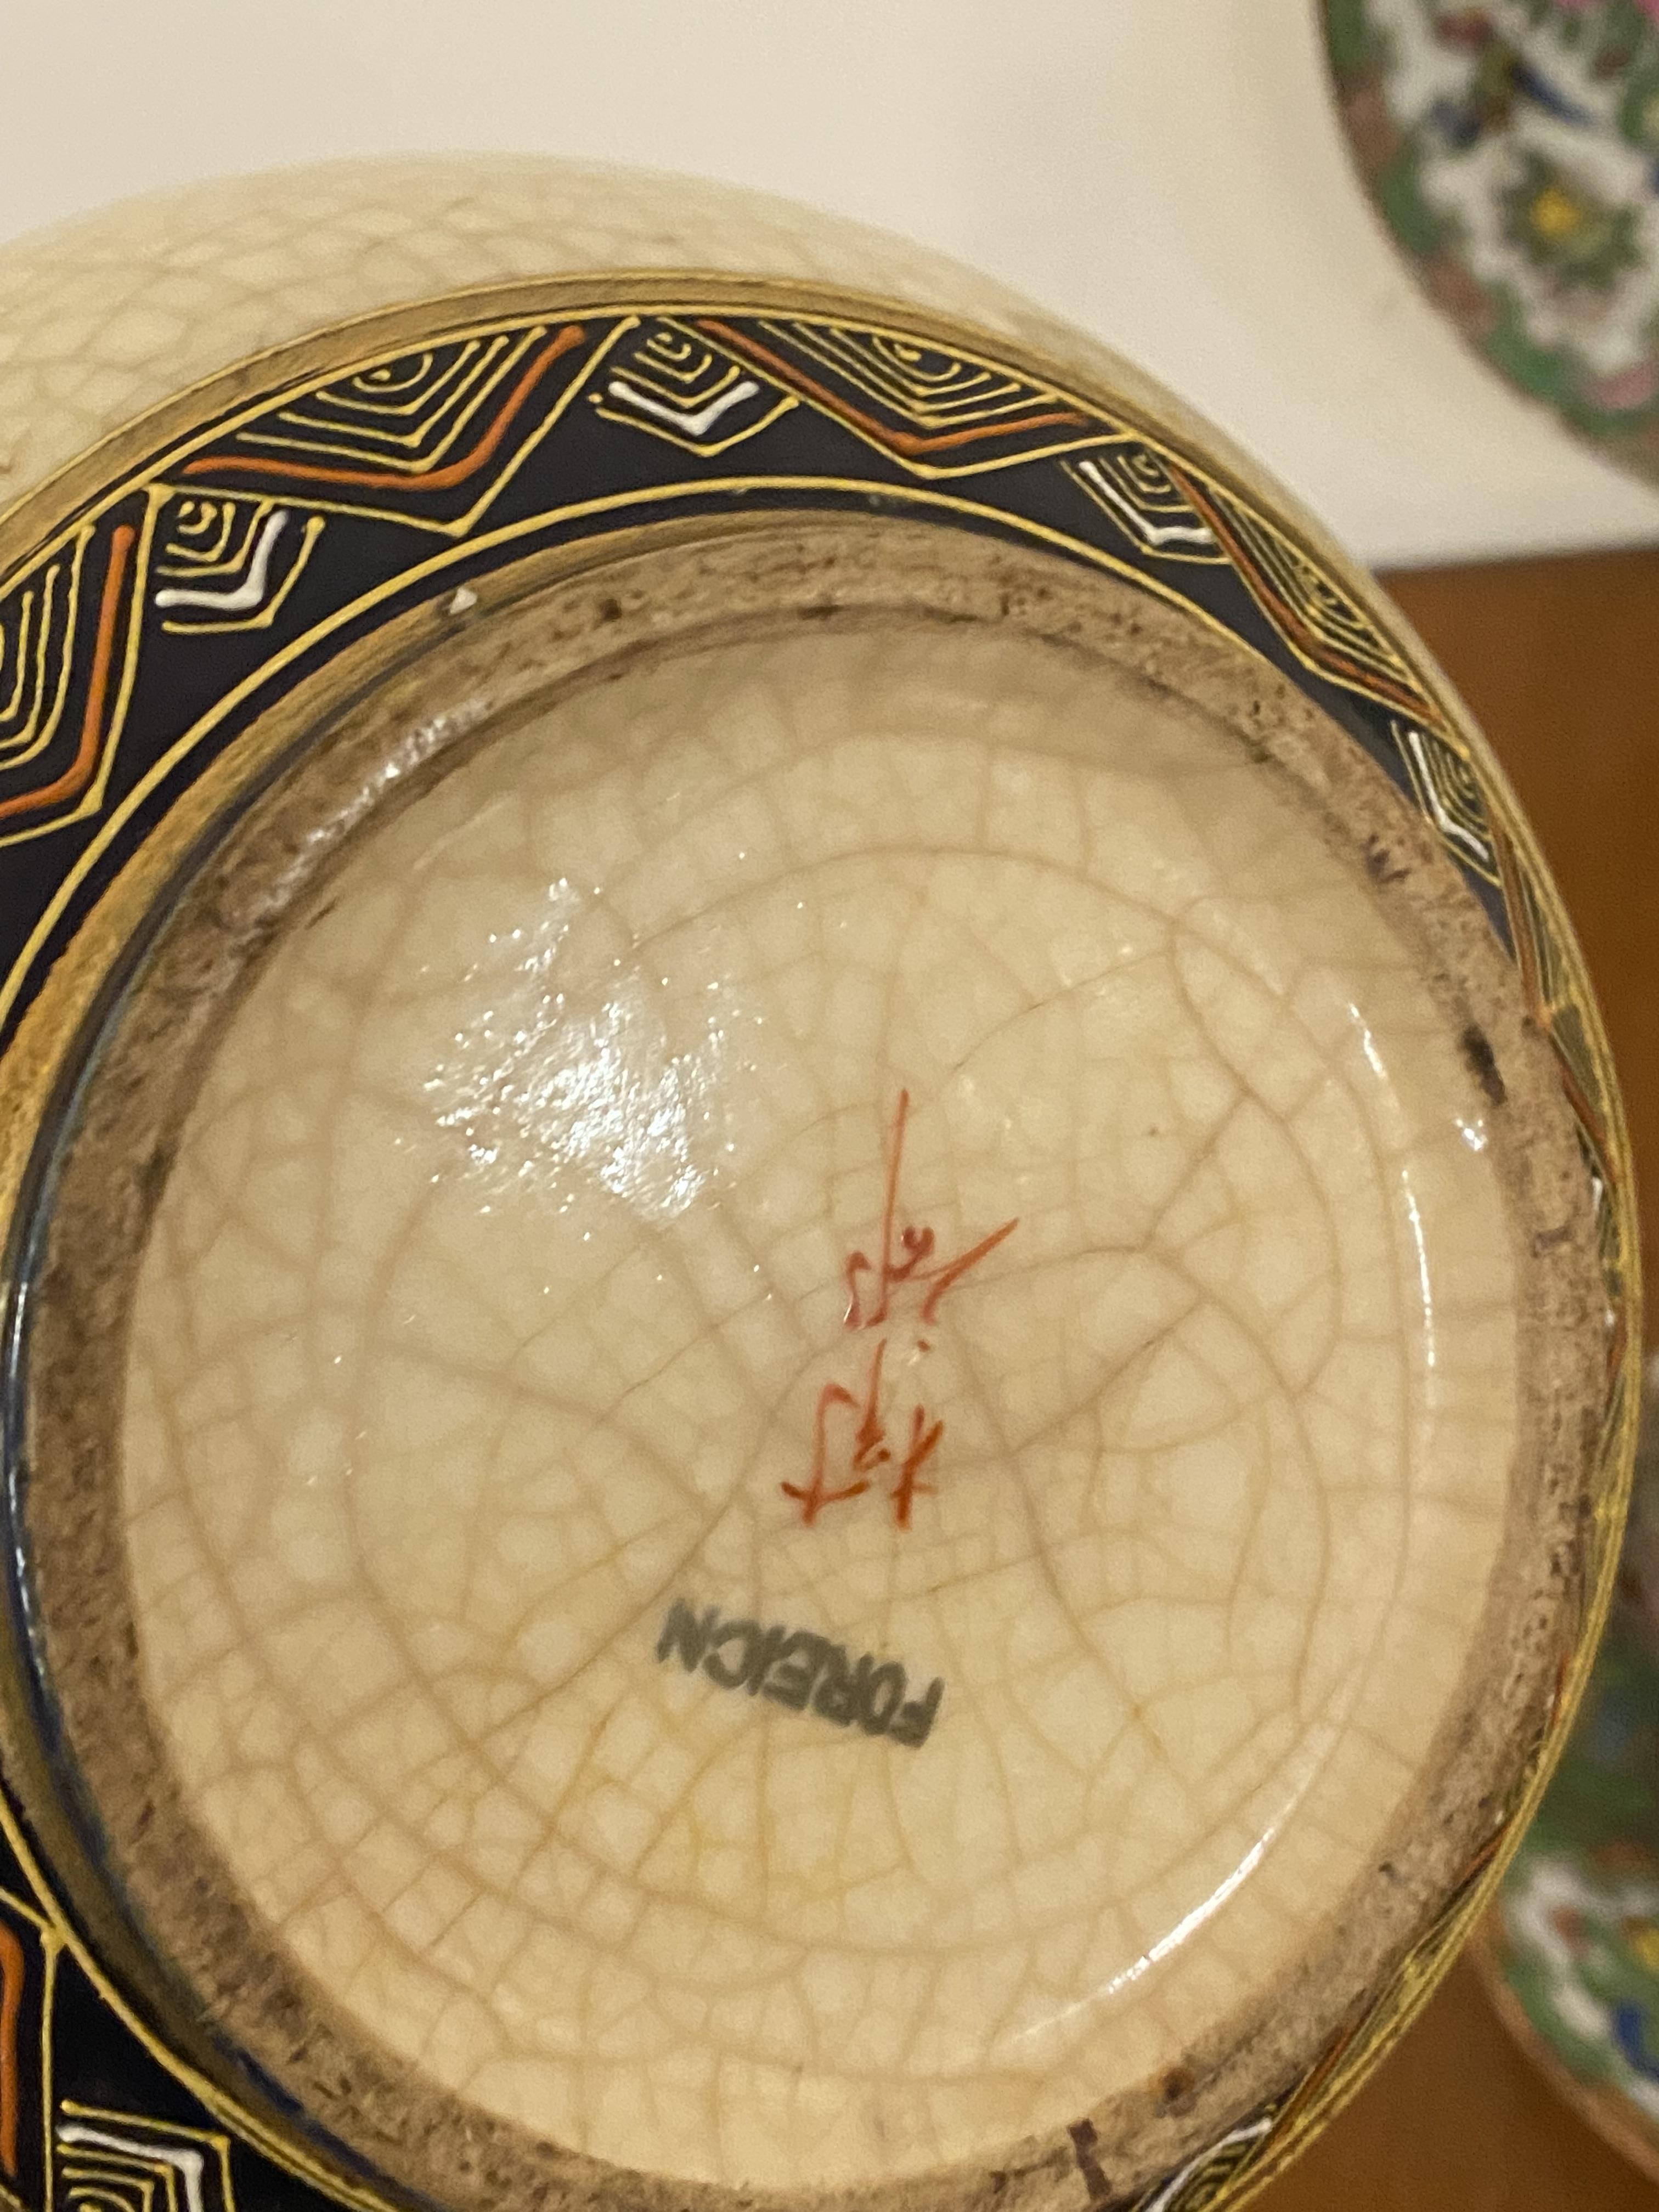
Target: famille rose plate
(820, 1295)
(1570, 1954)
(1512, 147)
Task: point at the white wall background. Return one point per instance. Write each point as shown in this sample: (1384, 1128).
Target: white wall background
(1168, 172)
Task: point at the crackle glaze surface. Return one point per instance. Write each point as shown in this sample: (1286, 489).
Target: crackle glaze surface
(103, 318)
(787, 1581)
(903, 1138)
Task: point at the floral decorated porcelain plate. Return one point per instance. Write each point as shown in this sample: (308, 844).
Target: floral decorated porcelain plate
(1513, 150)
(1571, 1953)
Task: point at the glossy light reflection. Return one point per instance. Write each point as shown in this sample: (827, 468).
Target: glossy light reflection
(537, 1092)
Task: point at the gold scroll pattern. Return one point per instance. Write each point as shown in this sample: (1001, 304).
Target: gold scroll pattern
(229, 564)
(427, 438)
(1448, 790)
(1319, 618)
(936, 412)
(669, 380)
(109, 2161)
(30, 1947)
(1134, 489)
(70, 622)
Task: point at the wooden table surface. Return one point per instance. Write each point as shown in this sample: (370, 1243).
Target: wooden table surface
(1457, 2121)
(1559, 660)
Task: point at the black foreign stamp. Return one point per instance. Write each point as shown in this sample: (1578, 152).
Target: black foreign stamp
(801, 1671)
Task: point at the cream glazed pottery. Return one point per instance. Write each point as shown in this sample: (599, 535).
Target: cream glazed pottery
(820, 1287)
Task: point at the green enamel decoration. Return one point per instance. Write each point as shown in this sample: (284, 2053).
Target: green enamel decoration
(1512, 149)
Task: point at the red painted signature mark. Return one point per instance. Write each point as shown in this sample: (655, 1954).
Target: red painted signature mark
(916, 1245)
(906, 1257)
